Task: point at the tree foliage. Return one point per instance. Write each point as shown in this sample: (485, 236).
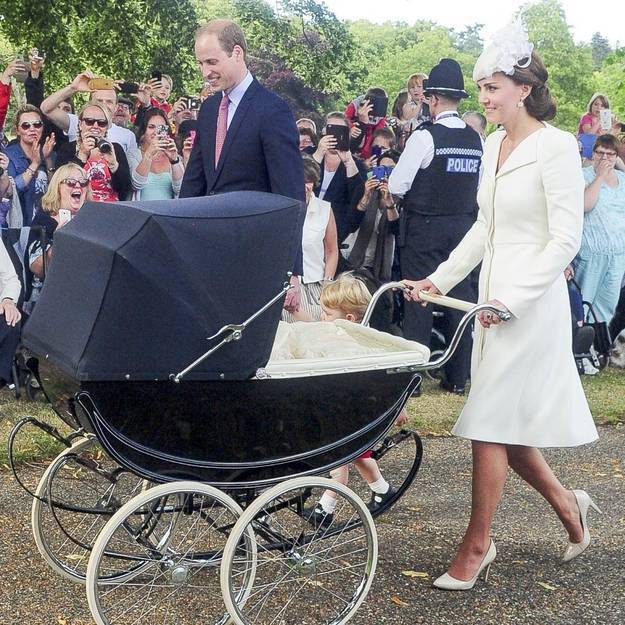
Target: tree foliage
(113, 38)
(601, 49)
(297, 47)
(569, 65)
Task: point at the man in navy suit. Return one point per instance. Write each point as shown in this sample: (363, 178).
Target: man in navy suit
(246, 137)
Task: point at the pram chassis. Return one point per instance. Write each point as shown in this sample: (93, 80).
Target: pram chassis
(244, 479)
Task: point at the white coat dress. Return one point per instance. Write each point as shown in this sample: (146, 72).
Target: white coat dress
(525, 389)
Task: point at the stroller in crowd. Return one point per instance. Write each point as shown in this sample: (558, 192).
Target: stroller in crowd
(182, 489)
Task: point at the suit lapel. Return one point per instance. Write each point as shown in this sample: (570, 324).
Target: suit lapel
(235, 124)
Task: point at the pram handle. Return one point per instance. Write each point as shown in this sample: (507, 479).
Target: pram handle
(471, 311)
(443, 300)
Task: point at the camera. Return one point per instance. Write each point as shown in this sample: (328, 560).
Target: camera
(104, 145)
(157, 75)
(193, 104)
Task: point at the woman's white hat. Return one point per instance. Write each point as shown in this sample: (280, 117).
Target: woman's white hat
(510, 48)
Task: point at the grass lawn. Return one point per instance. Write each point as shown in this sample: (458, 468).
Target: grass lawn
(434, 413)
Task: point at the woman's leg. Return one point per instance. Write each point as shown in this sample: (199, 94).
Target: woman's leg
(530, 465)
(490, 467)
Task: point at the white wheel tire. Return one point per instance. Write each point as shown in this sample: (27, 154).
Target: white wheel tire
(39, 506)
(252, 511)
(127, 509)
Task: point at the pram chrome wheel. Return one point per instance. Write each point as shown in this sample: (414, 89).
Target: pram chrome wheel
(177, 532)
(74, 499)
(308, 569)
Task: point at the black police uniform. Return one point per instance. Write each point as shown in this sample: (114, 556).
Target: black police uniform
(439, 209)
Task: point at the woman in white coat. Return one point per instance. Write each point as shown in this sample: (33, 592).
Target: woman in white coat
(525, 390)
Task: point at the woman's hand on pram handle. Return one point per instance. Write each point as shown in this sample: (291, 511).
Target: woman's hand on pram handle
(414, 287)
(488, 318)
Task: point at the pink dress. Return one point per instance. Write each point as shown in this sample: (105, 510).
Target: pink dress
(585, 119)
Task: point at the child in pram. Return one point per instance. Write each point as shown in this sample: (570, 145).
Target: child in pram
(347, 298)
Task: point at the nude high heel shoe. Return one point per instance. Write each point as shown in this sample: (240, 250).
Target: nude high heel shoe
(584, 502)
(447, 582)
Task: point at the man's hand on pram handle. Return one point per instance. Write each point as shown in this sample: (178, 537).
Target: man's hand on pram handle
(293, 296)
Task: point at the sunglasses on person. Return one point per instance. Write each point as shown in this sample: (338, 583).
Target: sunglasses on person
(91, 121)
(74, 182)
(604, 154)
(27, 125)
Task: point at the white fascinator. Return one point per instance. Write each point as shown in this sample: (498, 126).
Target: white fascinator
(509, 46)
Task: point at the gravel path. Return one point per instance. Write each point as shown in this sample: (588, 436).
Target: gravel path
(528, 584)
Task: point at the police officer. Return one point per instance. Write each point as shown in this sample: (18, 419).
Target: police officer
(437, 177)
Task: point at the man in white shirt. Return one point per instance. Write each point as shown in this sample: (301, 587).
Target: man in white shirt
(68, 122)
(437, 177)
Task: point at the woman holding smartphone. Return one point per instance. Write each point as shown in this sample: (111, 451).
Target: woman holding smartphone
(157, 168)
(66, 194)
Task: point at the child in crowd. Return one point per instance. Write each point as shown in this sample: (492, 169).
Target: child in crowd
(347, 298)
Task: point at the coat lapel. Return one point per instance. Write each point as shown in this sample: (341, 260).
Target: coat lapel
(524, 154)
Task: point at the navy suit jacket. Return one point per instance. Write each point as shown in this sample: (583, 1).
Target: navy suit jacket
(260, 152)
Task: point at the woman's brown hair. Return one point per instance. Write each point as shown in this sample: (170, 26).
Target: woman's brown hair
(539, 103)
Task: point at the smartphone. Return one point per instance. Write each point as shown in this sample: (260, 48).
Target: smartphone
(341, 134)
(382, 172)
(101, 83)
(192, 136)
(162, 130)
(157, 75)
(64, 215)
(38, 55)
(380, 105)
(605, 119)
(129, 87)
(22, 74)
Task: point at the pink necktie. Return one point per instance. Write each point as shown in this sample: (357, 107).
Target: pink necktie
(222, 127)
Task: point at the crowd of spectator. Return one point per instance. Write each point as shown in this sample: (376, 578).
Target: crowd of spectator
(131, 141)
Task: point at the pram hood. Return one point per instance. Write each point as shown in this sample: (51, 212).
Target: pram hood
(135, 288)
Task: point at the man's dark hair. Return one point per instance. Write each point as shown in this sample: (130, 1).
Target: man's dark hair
(375, 91)
(609, 142)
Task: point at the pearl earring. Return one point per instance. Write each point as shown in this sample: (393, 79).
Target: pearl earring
(520, 104)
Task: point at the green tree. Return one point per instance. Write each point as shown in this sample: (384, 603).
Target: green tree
(610, 79)
(600, 50)
(114, 38)
(569, 65)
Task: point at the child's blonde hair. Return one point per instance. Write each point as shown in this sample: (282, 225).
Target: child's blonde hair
(347, 294)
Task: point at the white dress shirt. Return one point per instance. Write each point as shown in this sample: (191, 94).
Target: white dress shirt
(235, 95)
(418, 154)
